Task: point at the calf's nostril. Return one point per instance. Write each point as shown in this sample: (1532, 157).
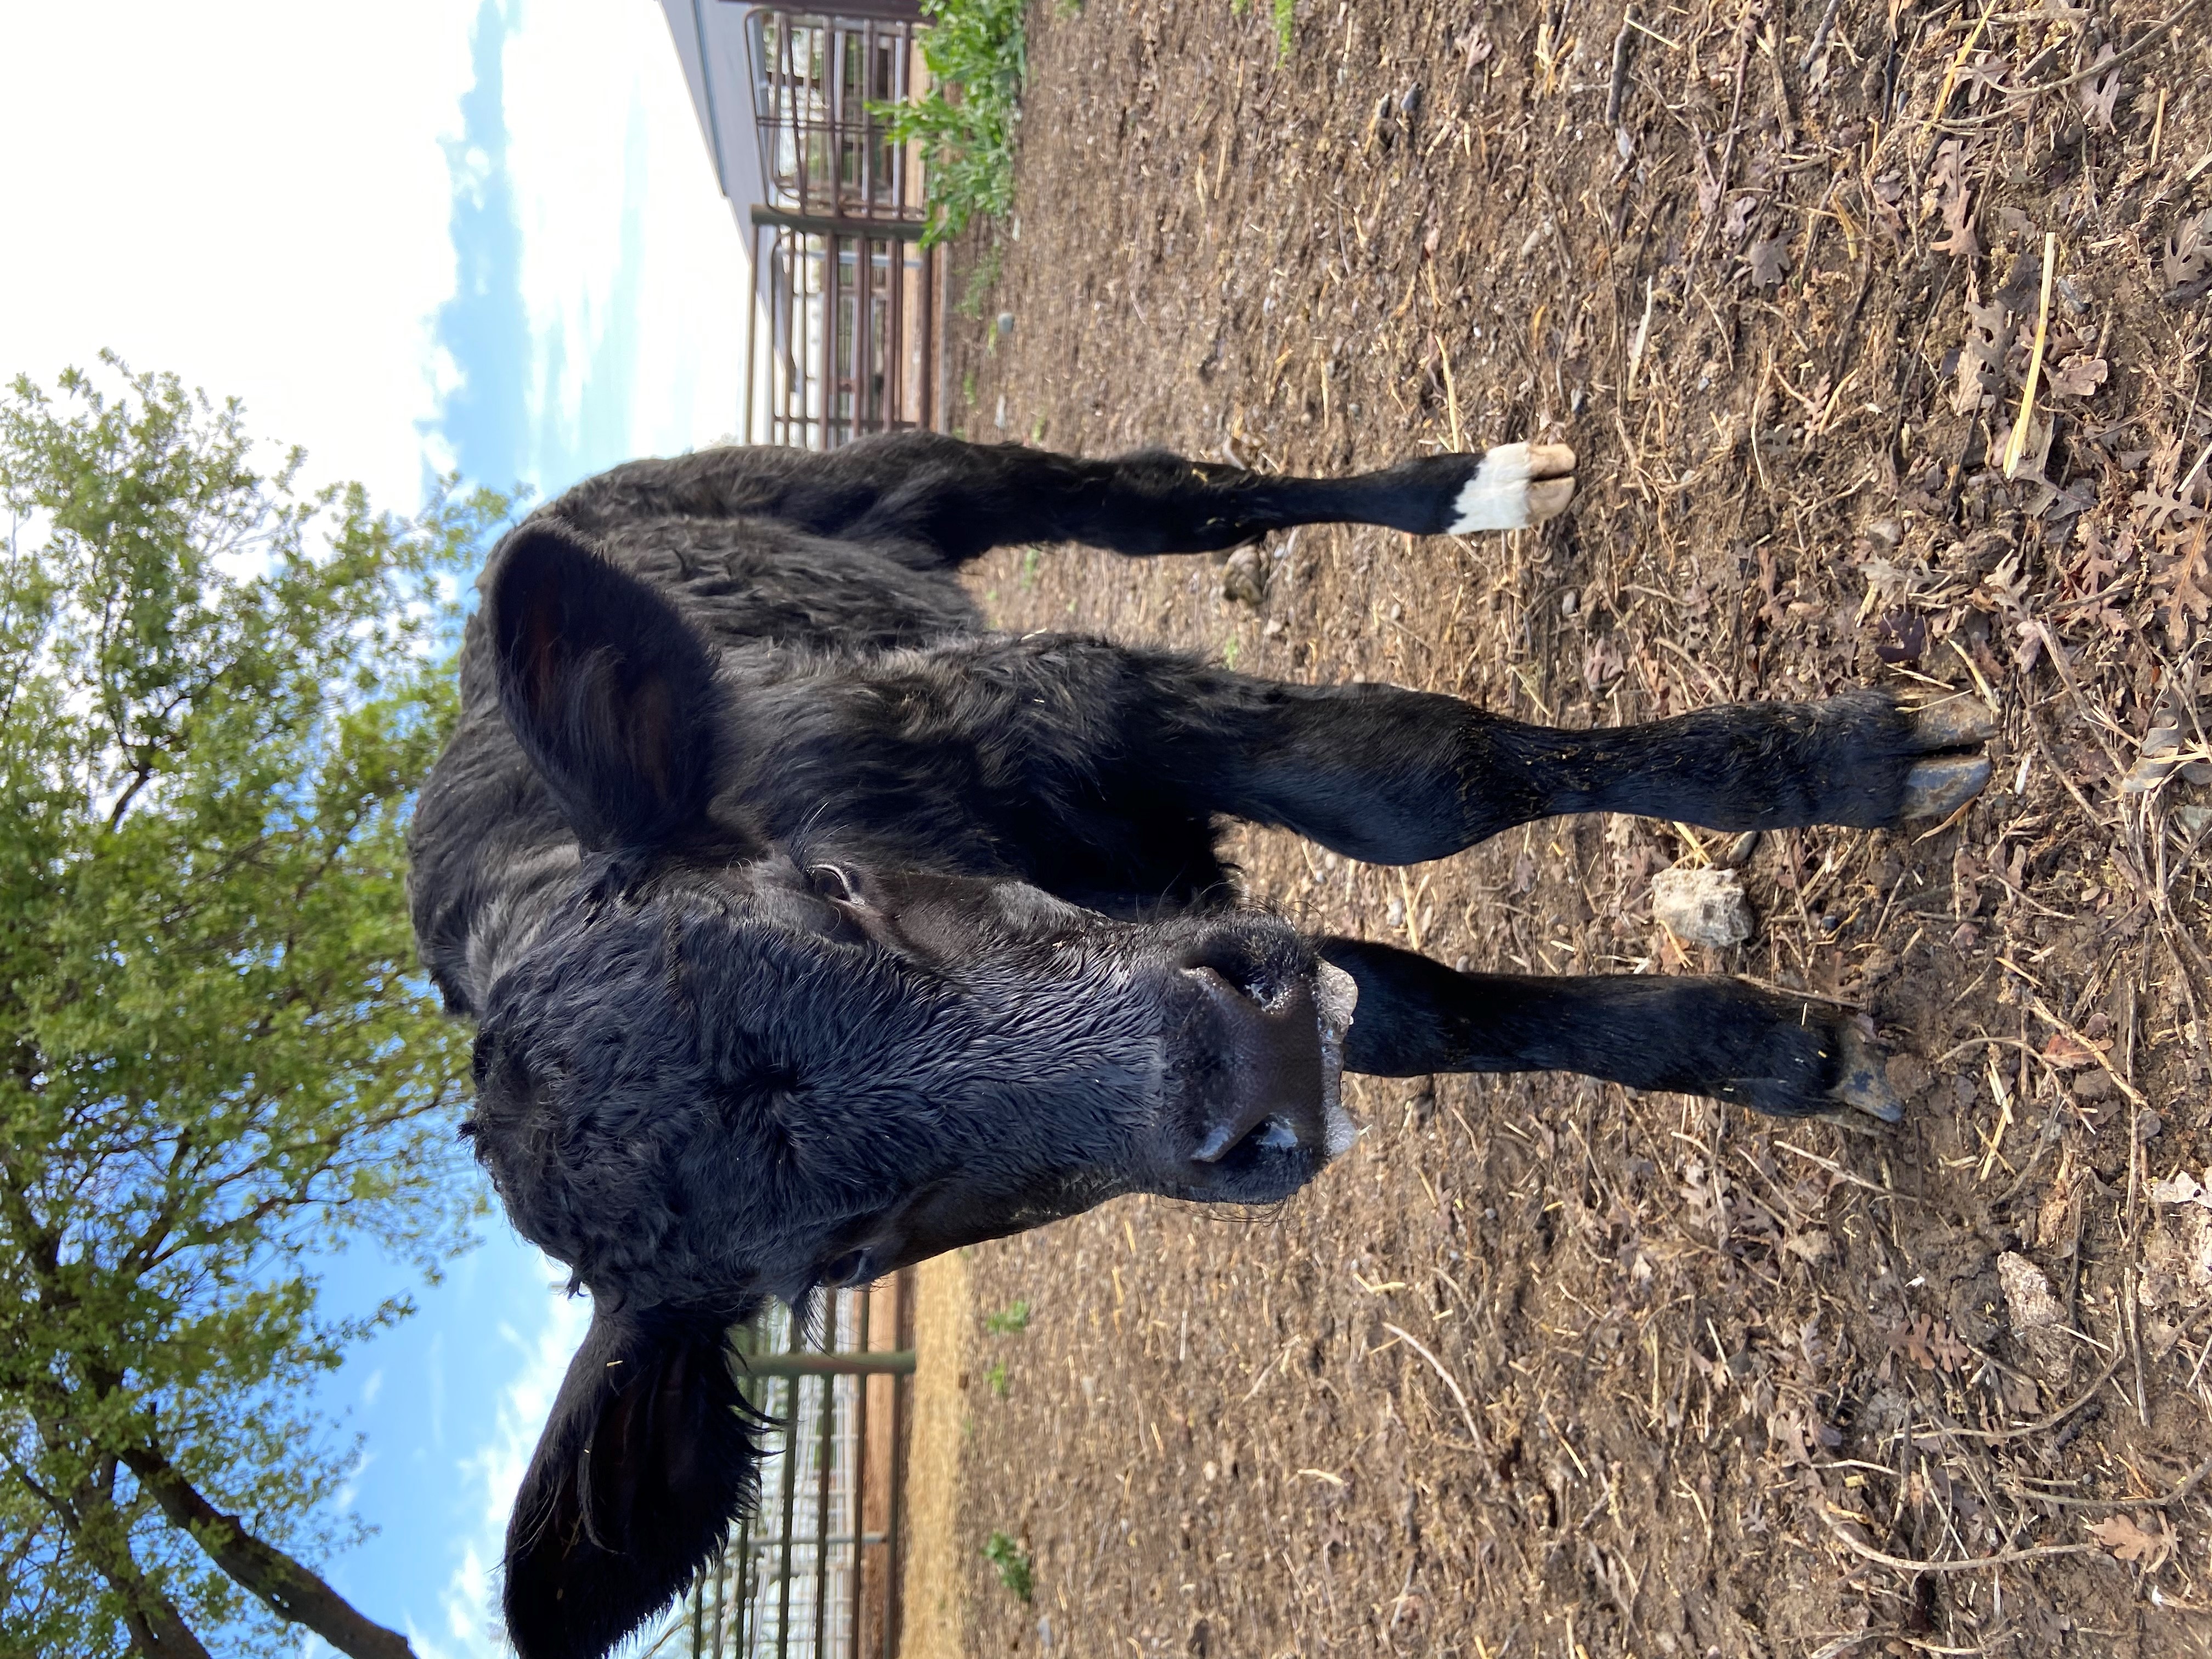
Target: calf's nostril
(1272, 1133)
(1233, 972)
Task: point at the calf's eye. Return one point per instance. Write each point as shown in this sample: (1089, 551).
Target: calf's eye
(850, 1268)
(832, 882)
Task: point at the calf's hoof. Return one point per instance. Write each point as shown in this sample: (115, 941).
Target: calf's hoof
(1950, 733)
(1514, 486)
(1862, 1092)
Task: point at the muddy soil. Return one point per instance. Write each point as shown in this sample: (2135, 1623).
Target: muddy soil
(1543, 1367)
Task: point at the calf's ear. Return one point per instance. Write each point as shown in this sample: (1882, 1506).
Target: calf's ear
(648, 1458)
(609, 691)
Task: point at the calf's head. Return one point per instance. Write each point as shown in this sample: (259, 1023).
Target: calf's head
(722, 1067)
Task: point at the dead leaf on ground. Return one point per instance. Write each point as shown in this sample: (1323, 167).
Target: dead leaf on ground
(2100, 92)
(1948, 187)
(2066, 1055)
(1931, 1345)
(2079, 376)
(2184, 578)
(2188, 261)
(1985, 76)
(2176, 730)
(2181, 1188)
(2127, 1538)
(1990, 330)
(1958, 239)
(1525, 873)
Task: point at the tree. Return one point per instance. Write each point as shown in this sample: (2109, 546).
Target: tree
(217, 1058)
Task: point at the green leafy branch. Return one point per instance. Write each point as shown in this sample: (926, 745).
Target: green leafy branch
(978, 57)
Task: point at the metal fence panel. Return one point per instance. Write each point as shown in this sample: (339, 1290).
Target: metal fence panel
(814, 1570)
(846, 296)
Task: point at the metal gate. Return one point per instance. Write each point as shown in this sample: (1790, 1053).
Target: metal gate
(847, 297)
(815, 1570)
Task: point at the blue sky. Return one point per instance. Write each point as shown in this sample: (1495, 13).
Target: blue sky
(566, 243)
(434, 234)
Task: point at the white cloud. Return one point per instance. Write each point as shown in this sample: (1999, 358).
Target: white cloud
(697, 272)
(634, 271)
(471, 1598)
(251, 194)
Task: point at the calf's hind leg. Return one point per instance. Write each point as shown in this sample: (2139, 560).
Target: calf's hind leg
(949, 500)
(1393, 776)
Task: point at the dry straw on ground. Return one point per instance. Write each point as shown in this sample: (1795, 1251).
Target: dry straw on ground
(1542, 1367)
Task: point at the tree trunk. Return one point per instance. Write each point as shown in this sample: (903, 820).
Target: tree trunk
(89, 1515)
(290, 1586)
(158, 1630)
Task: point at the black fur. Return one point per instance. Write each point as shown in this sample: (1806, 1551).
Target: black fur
(811, 929)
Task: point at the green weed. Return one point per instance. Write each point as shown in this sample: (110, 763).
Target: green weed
(996, 1377)
(1012, 1562)
(1016, 1318)
(981, 281)
(1286, 19)
(978, 58)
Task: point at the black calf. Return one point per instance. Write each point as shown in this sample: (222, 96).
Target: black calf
(812, 930)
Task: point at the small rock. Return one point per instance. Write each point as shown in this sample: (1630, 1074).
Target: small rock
(2027, 1294)
(1006, 323)
(2176, 1270)
(1244, 578)
(2038, 1318)
(1701, 907)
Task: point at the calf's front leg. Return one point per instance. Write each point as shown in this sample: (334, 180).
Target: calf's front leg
(1779, 1054)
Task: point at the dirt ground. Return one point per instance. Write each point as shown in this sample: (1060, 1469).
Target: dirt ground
(1543, 1367)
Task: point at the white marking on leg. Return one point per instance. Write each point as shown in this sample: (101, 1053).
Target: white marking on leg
(1497, 496)
(1514, 486)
